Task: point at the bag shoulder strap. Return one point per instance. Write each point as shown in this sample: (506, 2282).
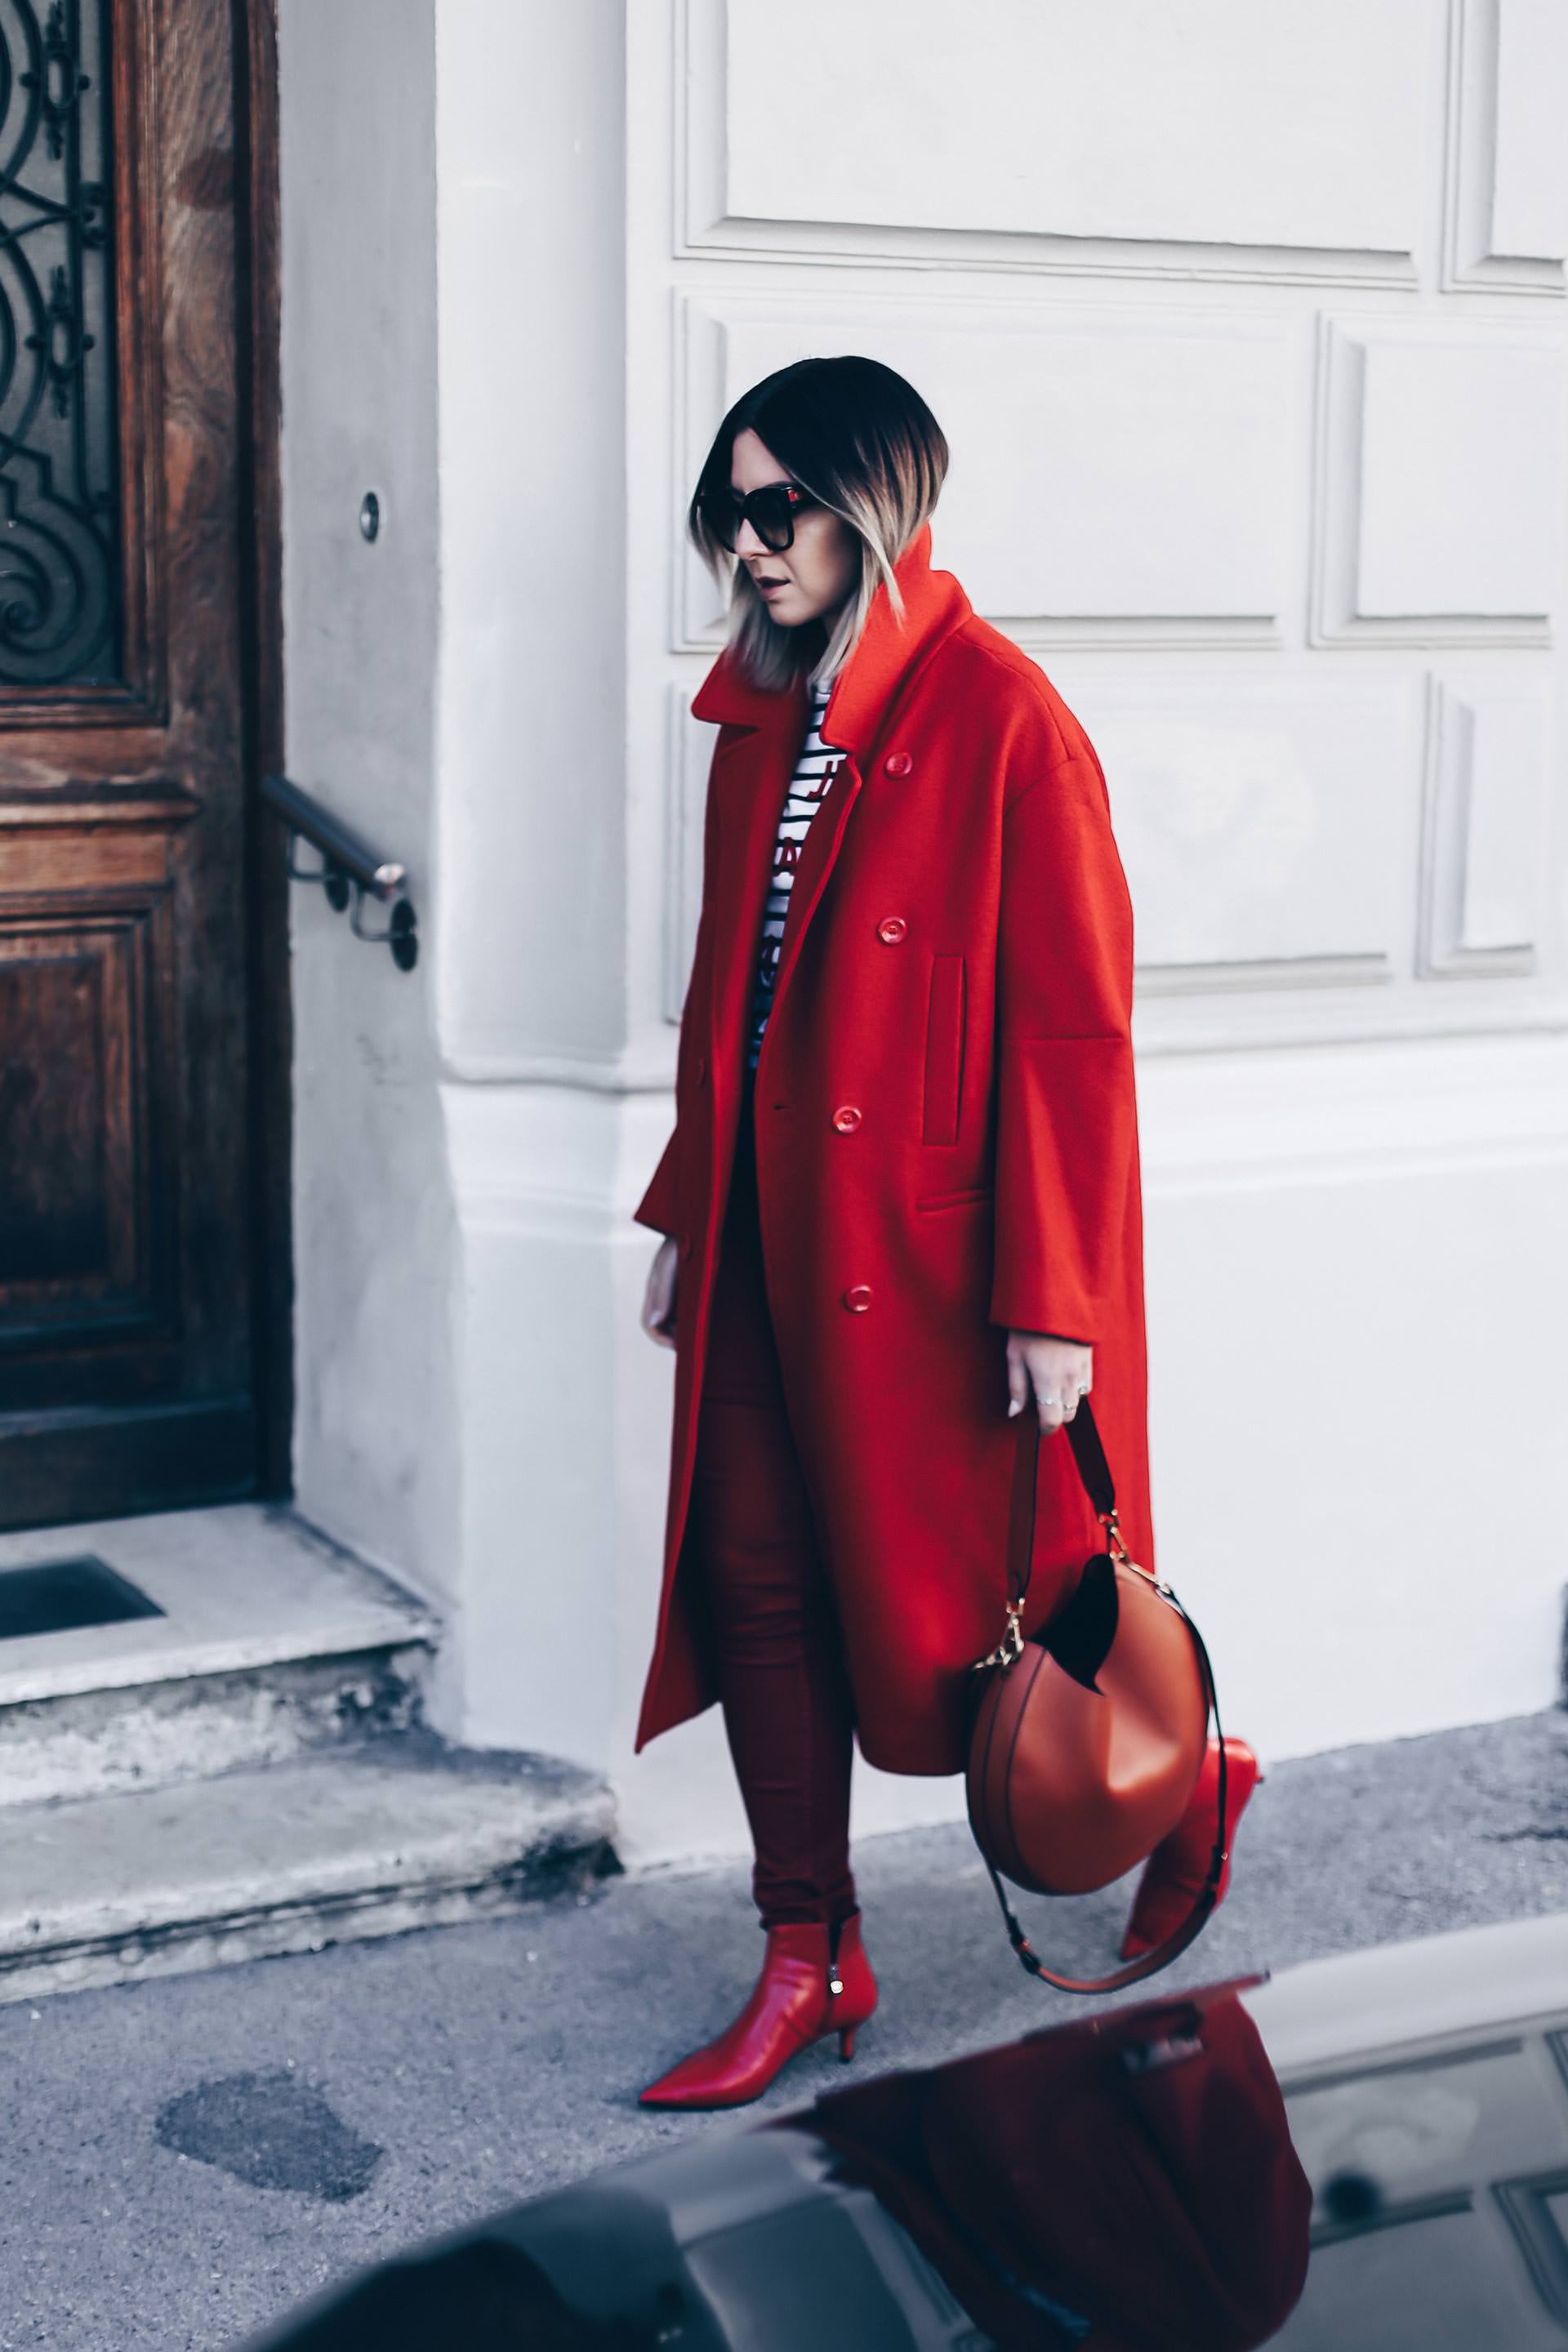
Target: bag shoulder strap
(1089, 1454)
(1093, 1470)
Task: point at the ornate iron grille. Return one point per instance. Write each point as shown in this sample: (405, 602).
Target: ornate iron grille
(59, 534)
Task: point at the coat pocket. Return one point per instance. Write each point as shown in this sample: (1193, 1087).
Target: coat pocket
(943, 1076)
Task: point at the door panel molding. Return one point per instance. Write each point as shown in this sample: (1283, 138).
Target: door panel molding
(144, 1225)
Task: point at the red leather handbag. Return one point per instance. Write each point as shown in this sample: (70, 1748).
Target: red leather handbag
(1087, 1737)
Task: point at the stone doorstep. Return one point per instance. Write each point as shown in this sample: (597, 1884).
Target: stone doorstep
(194, 1726)
(347, 1844)
(272, 1642)
(241, 1587)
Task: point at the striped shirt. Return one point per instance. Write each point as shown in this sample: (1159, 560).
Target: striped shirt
(814, 771)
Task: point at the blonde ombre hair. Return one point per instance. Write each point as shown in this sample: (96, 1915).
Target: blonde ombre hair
(863, 443)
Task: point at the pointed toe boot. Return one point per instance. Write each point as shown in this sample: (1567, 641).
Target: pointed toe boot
(1175, 1873)
(816, 1981)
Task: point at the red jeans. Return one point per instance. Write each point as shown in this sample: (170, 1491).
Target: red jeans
(787, 1708)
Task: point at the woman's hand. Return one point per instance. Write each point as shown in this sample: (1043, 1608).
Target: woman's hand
(1060, 1371)
(659, 1298)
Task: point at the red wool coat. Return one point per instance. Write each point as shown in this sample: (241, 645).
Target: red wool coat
(957, 965)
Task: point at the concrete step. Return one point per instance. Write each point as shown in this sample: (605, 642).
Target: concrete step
(269, 1643)
(350, 1844)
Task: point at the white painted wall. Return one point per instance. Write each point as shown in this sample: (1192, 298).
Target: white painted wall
(1257, 410)
(375, 1237)
(533, 814)
(453, 191)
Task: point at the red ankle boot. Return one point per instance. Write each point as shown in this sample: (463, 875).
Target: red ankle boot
(806, 1989)
(1176, 1871)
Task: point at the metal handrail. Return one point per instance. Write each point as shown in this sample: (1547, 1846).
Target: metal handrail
(347, 862)
(337, 842)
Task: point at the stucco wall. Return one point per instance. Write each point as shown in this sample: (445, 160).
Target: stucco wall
(453, 207)
(375, 1237)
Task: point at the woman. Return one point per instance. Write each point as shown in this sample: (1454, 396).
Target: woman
(902, 1199)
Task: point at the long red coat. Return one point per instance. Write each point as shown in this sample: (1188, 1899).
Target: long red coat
(956, 968)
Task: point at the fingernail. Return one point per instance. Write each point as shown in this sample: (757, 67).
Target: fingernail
(1012, 1408)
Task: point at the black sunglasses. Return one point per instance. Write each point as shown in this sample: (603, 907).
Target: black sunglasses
(770, 513)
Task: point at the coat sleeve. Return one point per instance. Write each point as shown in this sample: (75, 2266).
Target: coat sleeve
(659, 1207)
(1067, 1121)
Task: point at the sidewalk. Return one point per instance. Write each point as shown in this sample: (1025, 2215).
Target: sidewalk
(183, 2159)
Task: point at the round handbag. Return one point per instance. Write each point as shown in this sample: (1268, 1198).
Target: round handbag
(1087, 1737)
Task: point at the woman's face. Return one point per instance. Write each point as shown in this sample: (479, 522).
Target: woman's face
(811, 578)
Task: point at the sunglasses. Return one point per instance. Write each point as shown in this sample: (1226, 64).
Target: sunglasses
(770, 513)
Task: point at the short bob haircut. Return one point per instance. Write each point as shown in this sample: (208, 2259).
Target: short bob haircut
(863, 443)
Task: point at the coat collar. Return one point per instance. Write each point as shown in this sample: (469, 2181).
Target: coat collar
(886, 654)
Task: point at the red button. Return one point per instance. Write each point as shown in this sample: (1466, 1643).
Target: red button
(686, 1245)
(701, 1068)
(857, 1297)
(846, 1119)
(897, 764)
(892, 928)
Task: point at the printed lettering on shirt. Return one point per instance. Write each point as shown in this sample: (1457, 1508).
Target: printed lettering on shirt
(815, 769)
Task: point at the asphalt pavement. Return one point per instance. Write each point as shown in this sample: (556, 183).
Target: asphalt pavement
(184, 2158)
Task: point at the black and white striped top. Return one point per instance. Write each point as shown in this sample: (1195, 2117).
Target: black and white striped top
(814, 771)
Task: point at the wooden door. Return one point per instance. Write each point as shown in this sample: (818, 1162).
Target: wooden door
(141, 1023)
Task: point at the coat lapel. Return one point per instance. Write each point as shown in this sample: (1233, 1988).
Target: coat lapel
(751, 781)
(752, 772)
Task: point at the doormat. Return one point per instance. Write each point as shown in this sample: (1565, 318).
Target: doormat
(59, 1595)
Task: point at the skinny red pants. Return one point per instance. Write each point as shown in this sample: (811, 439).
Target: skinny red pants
(788, 1713)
